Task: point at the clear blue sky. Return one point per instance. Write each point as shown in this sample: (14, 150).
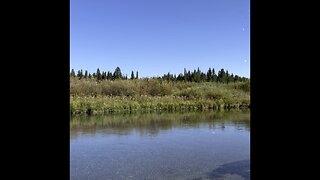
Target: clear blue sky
(155, 37)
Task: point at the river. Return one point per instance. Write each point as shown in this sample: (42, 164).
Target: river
(188, 146)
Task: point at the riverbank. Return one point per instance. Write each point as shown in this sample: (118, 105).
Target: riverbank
(90, 97)
(100, 105)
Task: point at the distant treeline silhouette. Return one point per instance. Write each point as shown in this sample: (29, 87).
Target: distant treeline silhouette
(188, 76)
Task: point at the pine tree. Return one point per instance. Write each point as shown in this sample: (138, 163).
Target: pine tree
(103, 75)
(203, 77)
(181, 77)
(80, 75)
(227, 77)
(117, 73)
(232, 78)
(189, 78)
(98, 74)
(109, 75)
(197, 75)
(209, 75)
(214, 76)
(168, 77)
(72, 74)
(185, 74)
(86, 74)
(132, 75)
(221, 76)
(137, 75)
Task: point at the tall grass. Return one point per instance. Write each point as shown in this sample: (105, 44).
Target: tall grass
(90, 97)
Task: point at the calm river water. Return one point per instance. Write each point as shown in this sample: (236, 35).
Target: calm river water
(188, 146)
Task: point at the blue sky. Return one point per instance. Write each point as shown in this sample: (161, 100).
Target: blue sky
(155, 37)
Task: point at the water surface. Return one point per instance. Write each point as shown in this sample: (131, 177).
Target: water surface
(196, 145)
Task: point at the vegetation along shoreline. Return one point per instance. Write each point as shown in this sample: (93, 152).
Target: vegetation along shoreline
(106, 92)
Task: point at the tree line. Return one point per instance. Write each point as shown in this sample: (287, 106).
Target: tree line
(222, 76)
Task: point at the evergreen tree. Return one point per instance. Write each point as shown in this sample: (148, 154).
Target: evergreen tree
(109, 75)
(197, 75)
(185, 74)
(231, 78)
(72, 74)
(203, 77)
(117, 73)
(80, 74)
(168, 77)
(103, 75)
(236, 78)
(209, 75)
(193, 76)
(86, 74)
(181, 77)
(221, 76)
(214, 76)
(189, 78)
(227, 78)
(98, 75)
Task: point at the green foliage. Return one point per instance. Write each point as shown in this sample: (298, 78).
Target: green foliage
(222, 76)
(80, 75)
(117, 73)
(109, 76)
(98, 75)
(107, 92)
(244, 86)
(89, 96)
(86, 74)
(72, 74)
(117, 88)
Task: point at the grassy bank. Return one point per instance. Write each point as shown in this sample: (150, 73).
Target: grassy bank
(92, 97)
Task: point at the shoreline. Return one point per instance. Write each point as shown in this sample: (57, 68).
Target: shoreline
(111, 105)
(104, 97)
(155, 111)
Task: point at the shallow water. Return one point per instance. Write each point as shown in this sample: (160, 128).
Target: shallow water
(208, 145)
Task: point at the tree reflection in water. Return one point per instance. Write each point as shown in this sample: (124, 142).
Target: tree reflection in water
(152, 123)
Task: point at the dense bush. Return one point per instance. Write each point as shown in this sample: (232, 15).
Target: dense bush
(89, 96)
(245, 86)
